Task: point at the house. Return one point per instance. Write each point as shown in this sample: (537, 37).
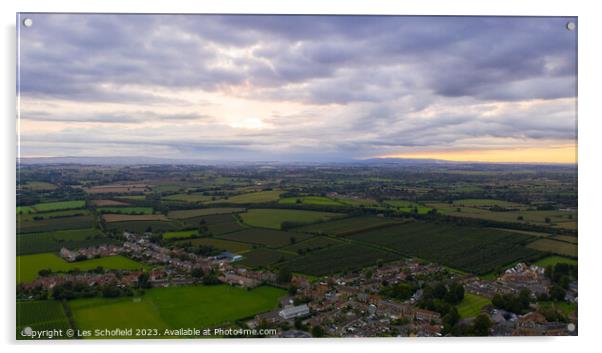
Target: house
(294, 312)
(427, 315)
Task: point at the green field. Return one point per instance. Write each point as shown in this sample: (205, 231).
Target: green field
(39, 186)
(30, 217)
(268, 237)
(34, 243)
(226, 245)
(54, 224)
(559, 219)
(555, 247)
(487, 203)
(28, 266)
(194, 197)
(553, 260)
(125, 210)
(312, 244)
(143, 226)
(254, 197)
(180, 214)
(471, 305)
(273, 218)
(132, 197)
(408, 206)
(310, 200)
(471, 249)
(52, 206)
(180, 234)
(175, 307)
(40, 315)
(339, 258)
(264, 257)
(357, 202)
(347, 226)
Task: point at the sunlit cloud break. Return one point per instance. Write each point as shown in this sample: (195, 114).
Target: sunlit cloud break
(299, 88)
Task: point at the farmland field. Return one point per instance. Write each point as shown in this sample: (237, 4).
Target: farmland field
(268, 237)
(348, 225)
(194, 197)
(487, 203)
(202, 212)
(558, 219)
(175, 307)
(117, 189)
(310, 200)
(339, 258)
(52, 206)
(54, 224)
(28, 266)
(41, 315)
(33, 243)
(143, 226)
(108, 203)
(273, 218)
(180, 234)
(553, 260)
(39, 186)
(133, 218)
(254, 197)
(264, 257)
(554, 246)
(126, 210)
(408, 206)
(471, 305)
(52, 214)
(312, 244)
(226, 245)
(477, 250)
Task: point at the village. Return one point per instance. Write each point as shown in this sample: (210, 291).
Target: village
(346, 305)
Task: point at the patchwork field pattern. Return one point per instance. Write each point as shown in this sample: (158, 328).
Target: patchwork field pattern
(477, 250)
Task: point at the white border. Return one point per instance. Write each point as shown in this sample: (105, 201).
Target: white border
(589, 169)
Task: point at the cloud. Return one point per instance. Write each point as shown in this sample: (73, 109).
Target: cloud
(342, 86)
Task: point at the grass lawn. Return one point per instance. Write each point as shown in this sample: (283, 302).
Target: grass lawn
(273, 218)
(553, 260)
(176, 307)
(28, 266)
(471, 305)
(181, 234)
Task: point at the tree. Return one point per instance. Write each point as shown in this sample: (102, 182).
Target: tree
(143, 280)
(317, 331)
(197, 272)
(450, 319)
(284, 275)
(482, 325)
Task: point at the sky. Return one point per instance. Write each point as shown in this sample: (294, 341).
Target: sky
(298, 88)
